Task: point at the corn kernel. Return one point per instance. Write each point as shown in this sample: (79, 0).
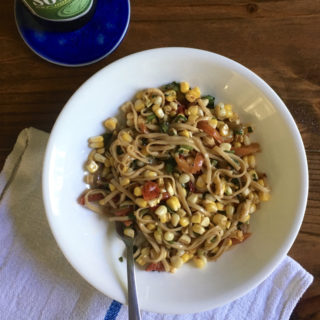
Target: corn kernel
(152, 203)
(150, 174)
(157, 100)
(220, 206)
(151, 226)
(237, 144)
(96, 145)
(139, 105)
(158, 111)
(169, 188)
(220, 111)
(264, 196)
(193, 110)
(158, 236)
(184, 87)
(253, 208)
(210, 206)
(225, 146)
(129, 232)
(170, 95)
(229, 210)
(111, 123)
(92, 166)
(186, 257)
(161, 210)
(137, 191)
(224, 130)
(185, 239)
(141, 261)
(261, 182)
(220, 220)
(141, 202)
(174, 203)
(213, 122)
(193, 198)
(168, 236)
(126, 137)
(193, 94)
(184, 133)
(181, 212)
(196, 218)
(198, 229)
(192, 118)
(176, 261)
(244, 218)
(124, 181)
(252, 161)
(184, 178)
(205, 222)
(175, 219)
(199, 263)
(112, 187)
(200, 183)
(164, 218)
(184, 221)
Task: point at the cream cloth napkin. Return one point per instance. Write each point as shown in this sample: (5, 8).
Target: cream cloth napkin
(36, 281)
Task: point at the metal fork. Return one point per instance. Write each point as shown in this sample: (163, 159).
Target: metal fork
(134, 312)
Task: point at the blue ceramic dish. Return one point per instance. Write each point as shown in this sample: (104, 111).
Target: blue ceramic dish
(89, 44)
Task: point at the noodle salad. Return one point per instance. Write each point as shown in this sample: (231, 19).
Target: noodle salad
(180, 174)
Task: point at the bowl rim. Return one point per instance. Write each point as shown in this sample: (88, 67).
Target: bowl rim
(275, 100)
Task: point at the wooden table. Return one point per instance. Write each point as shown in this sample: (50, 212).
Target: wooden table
(279, 40)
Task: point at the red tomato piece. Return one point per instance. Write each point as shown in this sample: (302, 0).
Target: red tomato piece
(142, 127)
(186, 167)
(150, 190)
(122, 211)
(155, 267)
(237, 241)
(192, 188)
(165, 196)
(246, 150)
(212, 132)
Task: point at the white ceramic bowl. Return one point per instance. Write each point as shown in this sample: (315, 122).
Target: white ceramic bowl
(89, 242)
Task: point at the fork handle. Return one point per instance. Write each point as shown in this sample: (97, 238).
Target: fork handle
(134, 312)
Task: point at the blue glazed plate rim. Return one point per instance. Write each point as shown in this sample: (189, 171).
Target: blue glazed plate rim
(78, 64)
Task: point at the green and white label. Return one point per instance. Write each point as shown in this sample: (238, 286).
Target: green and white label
(59, 10)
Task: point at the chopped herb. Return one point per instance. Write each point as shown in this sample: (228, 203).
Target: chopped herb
(134, 164)
(235, 181)
(211, 101)
(255, 177)
(250, 129)
(186, 147)
(172, 86)
(170, 164)
(121, 259)
(236, 161)
(180, 117)
(144, 141)
(164, 127)
(222, 212)
(132, 216)
(214, 162)
(107, 139)
(119, 150)
(170, 210)
(151, 117)
(229, 151)
(240, 132)
(213, 239)
(144, 211)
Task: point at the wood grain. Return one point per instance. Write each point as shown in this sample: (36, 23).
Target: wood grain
(279, 40)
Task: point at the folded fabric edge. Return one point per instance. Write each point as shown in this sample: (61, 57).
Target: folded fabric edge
(13, 160)
(303, 281)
